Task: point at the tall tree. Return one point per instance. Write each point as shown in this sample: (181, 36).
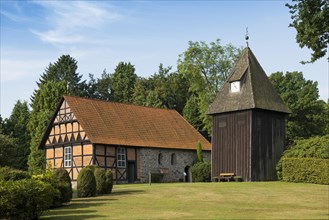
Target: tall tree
(310, 18)
(302, 97)
(123, 80)
(64, 69)
(45, 102)
(191, 113)
(207, 66)
(140, 91)
(58, 79)
(8, 149)
(16, 126)
(104, 86)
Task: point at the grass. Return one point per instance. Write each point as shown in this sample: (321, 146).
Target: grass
(245, 200)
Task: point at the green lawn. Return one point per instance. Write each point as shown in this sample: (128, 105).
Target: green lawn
(257, 200)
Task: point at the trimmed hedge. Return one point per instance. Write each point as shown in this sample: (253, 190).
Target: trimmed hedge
(314, 147)
(25, 199)
(109, 181)
(8, 173)
(201, 172)
(306, 170)
(100, 177)
(65, 185)
(86, 183)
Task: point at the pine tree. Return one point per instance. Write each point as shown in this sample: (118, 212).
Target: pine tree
(44, 105)
(16, 126)
(123, 81)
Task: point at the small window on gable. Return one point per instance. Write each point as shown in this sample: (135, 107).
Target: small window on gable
(68, 156)
(159, 158)
(173, 159)
(121, 157)
(235, 86)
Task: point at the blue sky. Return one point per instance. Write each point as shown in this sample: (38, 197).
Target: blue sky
(99, 34)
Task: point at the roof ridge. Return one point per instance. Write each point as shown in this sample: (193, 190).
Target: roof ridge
(251, 75)
(120, 103)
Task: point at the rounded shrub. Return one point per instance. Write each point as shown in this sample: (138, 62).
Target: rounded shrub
(65, 185)
(25, 198)
(201, 172)
(109, 181)
(86, 183)
(100, 181)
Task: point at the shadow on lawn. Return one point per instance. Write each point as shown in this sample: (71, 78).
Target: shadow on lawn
(76, 210)
(126, 192)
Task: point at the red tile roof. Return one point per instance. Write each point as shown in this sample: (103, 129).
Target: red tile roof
(131, 125)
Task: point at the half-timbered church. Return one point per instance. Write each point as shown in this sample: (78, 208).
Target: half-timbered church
(248, 116)
(130, 140)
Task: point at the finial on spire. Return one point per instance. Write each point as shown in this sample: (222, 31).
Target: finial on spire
(247, 37)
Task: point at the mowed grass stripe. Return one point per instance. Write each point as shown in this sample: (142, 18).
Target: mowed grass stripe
(244, 200)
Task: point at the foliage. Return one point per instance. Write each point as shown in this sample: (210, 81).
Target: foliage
(16, 127)
(305, 170)
(25, 198)
(8, 149)
(65, 185)
(192, 113)
(310, 19)
(100, 177)
(8, 173)
(63, 70)
(163, 89)
(207, 67)
(45, 102)
(123, 80)
(301, 96)
(201, 172)
(109, 181)
(86, 183)
(199, 152)
(315, 147)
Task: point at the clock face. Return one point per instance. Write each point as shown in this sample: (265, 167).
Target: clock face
(235, 86)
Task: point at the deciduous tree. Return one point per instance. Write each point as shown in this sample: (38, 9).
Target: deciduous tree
(308, 116)
(310, 18)
(207, 66)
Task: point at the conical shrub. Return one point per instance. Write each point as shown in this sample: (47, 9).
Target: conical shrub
(86, 183)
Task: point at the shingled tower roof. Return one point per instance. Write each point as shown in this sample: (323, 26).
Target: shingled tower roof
(256, 90)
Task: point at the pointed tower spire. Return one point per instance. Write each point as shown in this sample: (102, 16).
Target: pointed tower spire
(247, 87)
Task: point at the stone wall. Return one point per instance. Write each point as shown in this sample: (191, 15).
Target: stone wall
(172, 162)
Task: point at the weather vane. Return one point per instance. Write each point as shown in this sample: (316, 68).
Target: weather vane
(247, 37)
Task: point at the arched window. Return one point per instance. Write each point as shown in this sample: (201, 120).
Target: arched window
(160, 158)
(173, 159)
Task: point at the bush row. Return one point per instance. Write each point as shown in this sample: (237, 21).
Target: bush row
(315, 147)
(201, 172)
(93, 180)
(306, 170)
(26, 197)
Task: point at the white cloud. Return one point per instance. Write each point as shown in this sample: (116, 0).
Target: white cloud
(72, 21)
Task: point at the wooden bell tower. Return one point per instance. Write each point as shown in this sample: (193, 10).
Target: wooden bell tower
(248, 131)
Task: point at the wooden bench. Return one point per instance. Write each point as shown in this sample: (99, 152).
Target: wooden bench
(226, 177)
